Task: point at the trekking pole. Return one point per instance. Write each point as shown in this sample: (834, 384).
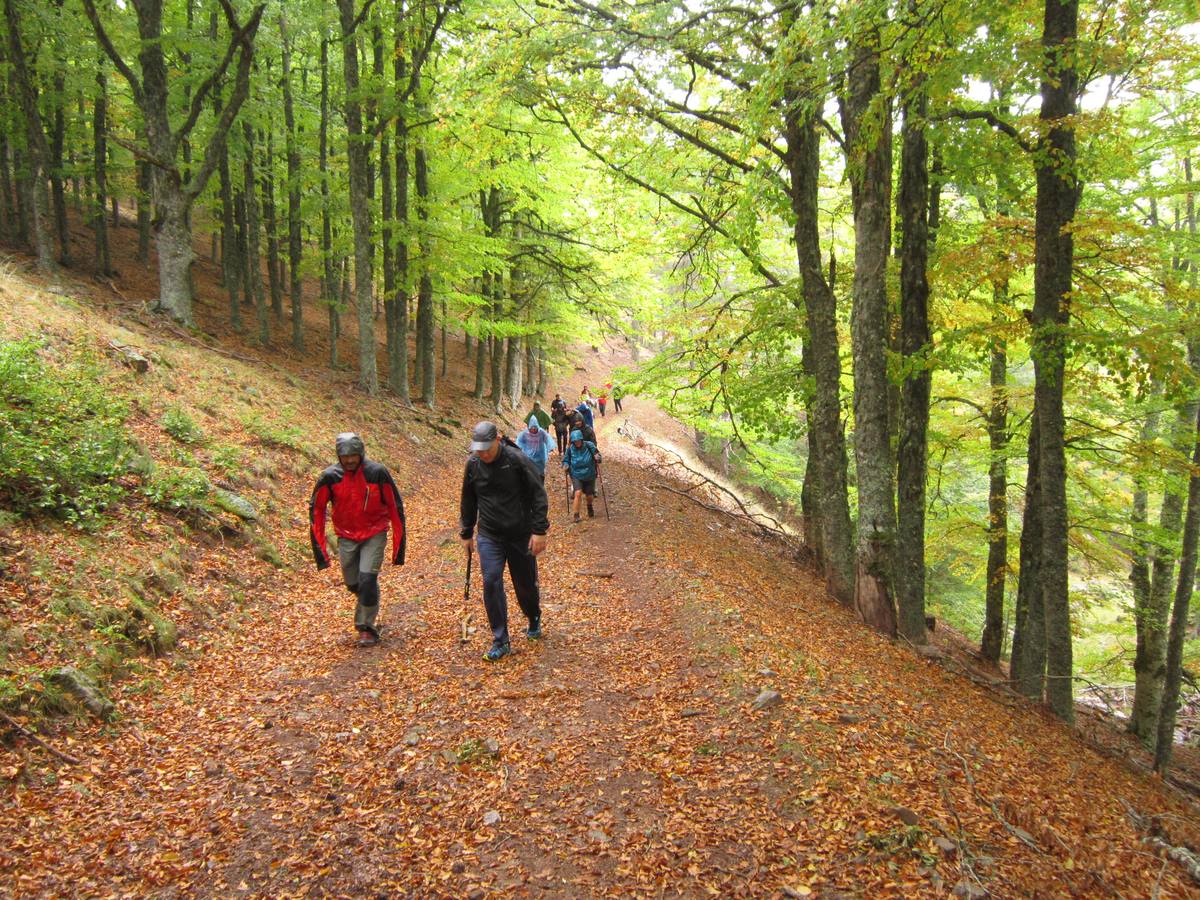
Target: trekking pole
(466, 622)
(600, 472)
(567, 491)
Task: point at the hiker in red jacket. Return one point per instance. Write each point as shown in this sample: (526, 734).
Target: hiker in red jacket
(365, 502)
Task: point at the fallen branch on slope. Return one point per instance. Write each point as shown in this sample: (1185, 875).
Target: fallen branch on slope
(70, 760)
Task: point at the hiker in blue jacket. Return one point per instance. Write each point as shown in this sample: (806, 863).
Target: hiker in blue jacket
(585, 413)
(581, 463)
(535, 442)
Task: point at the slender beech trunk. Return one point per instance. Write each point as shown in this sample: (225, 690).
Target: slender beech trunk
(867, 126)
(36, 146)
(357, 153)
(1169, 705)
(100, 172)
(295, 245)
(242, 253)
(254, 278)
(915, 341)
(8, 206)
(1057, 198)
(425, 313)
(328, 288)
(828, 505)
(1027, 669)
(992, 641)
(271, 224)
(58, 134)
(512, 372)
(398, 342)
(145, 209)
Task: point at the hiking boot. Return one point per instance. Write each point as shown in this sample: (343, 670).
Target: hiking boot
(367, 638)
(576, 517)
(591, 512)
(534, 631)
(497, 653)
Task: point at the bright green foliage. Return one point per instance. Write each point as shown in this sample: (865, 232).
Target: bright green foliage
(179, 425)
(179, 488)
(62, 445)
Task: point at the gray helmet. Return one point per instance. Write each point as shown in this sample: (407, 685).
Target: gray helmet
(348, 443)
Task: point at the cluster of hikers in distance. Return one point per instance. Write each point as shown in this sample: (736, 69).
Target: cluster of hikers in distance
(503, 510)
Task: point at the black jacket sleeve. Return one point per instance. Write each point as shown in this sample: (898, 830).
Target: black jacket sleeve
(539, 503)
(468, 504)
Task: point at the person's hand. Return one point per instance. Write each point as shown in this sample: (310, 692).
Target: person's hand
(537, 543)
(467, 542)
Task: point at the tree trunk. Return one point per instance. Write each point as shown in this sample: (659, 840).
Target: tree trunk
(992, 641)
(175, 256)
(828, 505)
(254, 238)
(425, 315)
(145, 203)
(37, 148)
(867, 125)
(915, 345)
(1027, 669)
(1169, 706)
(271, 224)
(100, 172)
(58, 134)
(8, 206)
(295, 246)
(398, 341)
(357, 153)
(1057, 197)
(328, 289)
(512, 372)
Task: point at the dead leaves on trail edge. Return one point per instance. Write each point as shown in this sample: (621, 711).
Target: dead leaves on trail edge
(620, 755)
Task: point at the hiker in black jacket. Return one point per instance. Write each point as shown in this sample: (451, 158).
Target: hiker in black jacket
(577, 423)
(502, 492)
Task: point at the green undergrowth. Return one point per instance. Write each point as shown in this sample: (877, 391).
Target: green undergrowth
(112, 483)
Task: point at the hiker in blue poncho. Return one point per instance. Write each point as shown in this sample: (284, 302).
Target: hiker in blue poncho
(535, 442)
(585, 413)
(581, 463)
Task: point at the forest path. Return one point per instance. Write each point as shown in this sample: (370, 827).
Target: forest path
(625, 756)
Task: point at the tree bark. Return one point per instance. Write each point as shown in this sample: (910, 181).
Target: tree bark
(1057, 198)
(1169, 704)
(254, 238)
(37, 148)
(828, 505)
(58, 134)
(1027, 669)
(328, 288)
(295, 246)
(357, 153)
(991, 644)
(915, 345)
(271, 224)
(97, 217)
(425, 314)
(398, 338)
(867, 126)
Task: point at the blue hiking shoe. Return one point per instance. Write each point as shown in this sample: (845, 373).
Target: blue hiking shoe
(534, 631)
(497, 652)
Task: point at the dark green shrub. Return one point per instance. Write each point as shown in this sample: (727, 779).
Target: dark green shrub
(62, 445)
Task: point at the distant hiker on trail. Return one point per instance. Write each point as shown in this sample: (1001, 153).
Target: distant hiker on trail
(576, 423)
(502, 492)
(586, 412)
(602, 398)
(562, 428)
(365, 501)
(534, 441)
(617, 393)
(543, 417)
(581, 463)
